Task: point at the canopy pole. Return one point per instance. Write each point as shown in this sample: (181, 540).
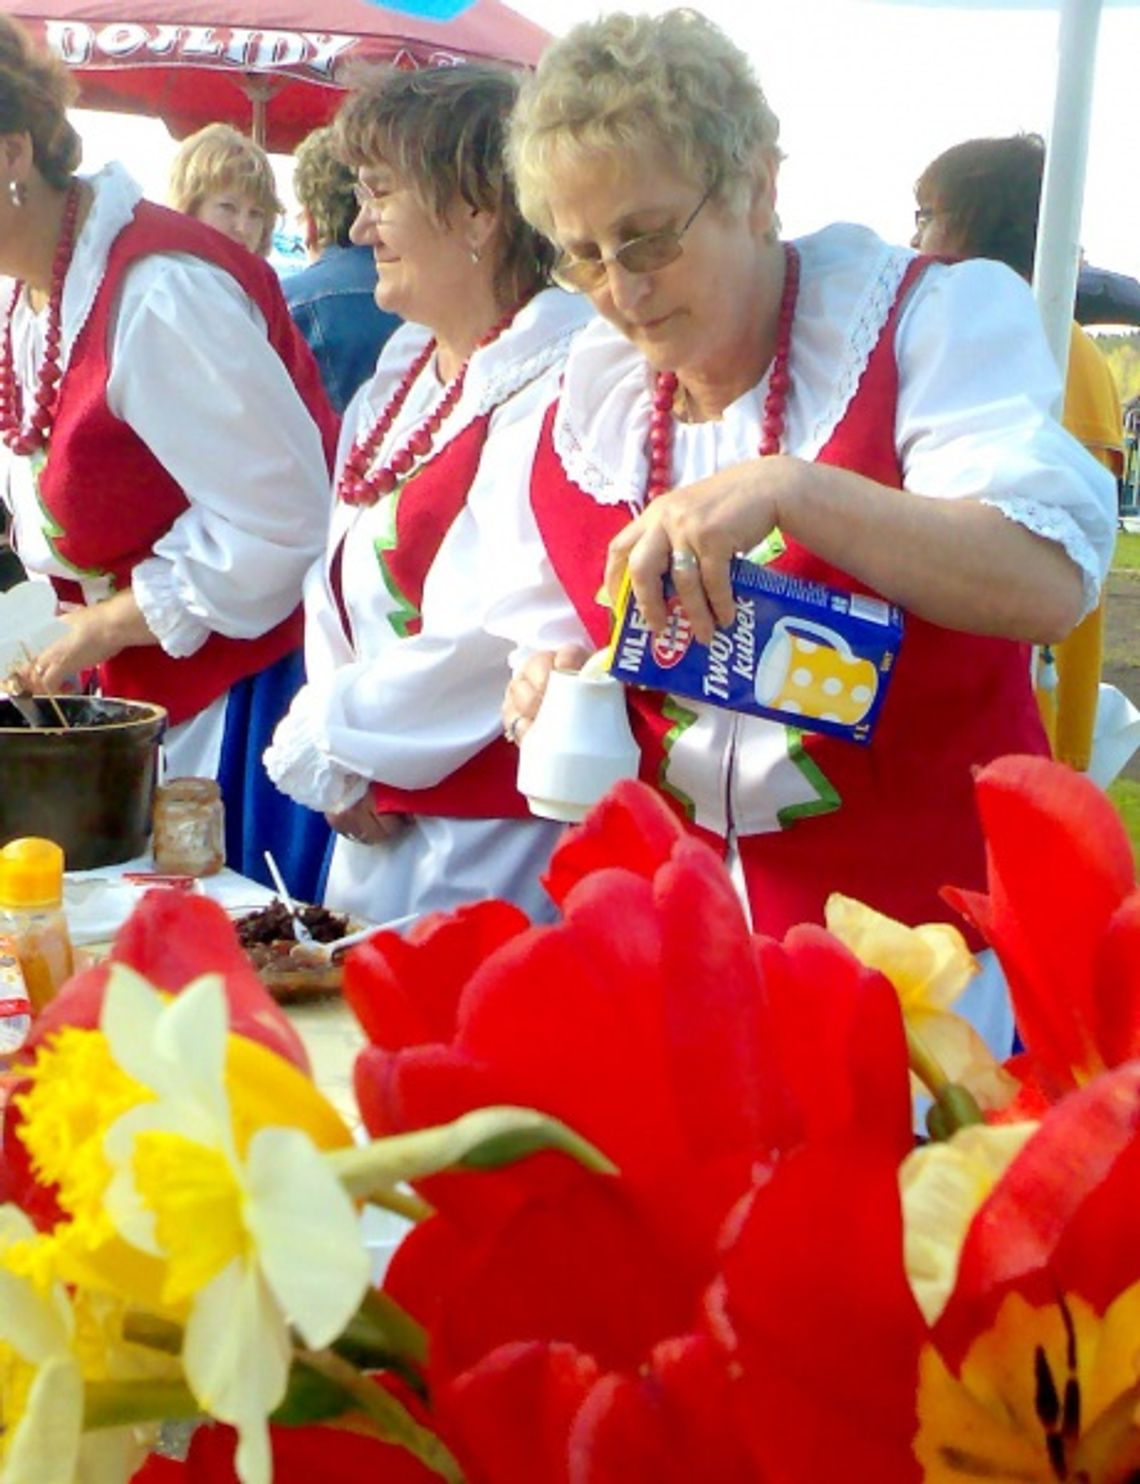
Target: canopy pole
(1059, 225)
(259, 91)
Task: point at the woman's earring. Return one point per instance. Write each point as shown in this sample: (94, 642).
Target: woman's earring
(476, 256)
(17, 192)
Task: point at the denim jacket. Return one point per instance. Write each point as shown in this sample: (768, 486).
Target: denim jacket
(332, 304)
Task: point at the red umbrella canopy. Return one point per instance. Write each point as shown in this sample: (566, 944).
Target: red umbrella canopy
(276, 66)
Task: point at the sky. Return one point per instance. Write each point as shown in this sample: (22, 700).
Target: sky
(867, 93)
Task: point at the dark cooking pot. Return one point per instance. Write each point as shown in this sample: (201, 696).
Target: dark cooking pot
(87, 786)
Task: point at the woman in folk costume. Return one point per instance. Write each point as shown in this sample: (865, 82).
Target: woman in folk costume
(396, 734)
(165, 437)
(981, 199)
(865, 417)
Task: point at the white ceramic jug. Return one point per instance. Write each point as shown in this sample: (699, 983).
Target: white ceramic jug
(578, 746)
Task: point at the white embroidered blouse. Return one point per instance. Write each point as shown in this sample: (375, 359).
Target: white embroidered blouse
(194, 374)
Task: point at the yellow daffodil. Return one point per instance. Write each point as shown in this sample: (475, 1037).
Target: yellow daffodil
(77, 1091)
(253, 1230)
(929, 967)
(942, 1186)
(42, 1375)
(41, 1388)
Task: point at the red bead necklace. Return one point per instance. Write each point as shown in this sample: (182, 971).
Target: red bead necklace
(359, 483)
(20, 439)
(775, 402)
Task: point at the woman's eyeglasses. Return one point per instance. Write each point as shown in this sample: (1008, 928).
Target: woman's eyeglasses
(366, 198)
(923, 216)
(639, 255)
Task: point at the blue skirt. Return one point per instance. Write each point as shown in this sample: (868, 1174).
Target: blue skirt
(258, 816)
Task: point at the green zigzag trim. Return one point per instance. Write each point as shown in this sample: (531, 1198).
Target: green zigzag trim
(52, 530)
(828, 800)
(772, 546)
(406, 612)
(682, 719)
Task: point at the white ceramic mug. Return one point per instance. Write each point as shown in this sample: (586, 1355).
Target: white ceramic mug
(578, 746)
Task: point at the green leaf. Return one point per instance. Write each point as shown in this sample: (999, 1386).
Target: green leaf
(390, 1418)
(311, 1397)
(484, 1139)
(380, 1327)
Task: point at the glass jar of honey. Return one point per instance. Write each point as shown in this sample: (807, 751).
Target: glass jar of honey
(189, 827)
(32, 919)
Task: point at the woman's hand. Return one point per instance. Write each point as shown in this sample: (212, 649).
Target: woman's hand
(361, 824)
(94, 634)
(694, 532)
(527, 688)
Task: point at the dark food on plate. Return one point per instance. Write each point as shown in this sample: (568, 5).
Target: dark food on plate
(268, 938)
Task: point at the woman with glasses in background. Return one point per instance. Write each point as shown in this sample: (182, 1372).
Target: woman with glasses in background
(396, 733)
(858, 415)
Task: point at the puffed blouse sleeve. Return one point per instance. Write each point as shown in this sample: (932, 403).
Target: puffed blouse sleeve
(194, 374)
(977, 391)
(414, 713)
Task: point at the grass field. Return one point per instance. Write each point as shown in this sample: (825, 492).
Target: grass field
(1127, 555)
(1125, 794)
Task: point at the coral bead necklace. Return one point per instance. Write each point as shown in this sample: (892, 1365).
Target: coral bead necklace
(20, 438)
(360, 483)
(775, 402)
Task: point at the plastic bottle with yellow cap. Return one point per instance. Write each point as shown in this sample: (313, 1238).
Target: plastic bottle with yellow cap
(31, 915)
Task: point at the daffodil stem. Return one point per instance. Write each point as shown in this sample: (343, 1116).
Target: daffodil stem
(391, 1420)
(154, 1333)
(924, 1064)
(120, 1403)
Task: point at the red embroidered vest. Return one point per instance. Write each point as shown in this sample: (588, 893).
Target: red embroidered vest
(426, 507)
(110, 497)
(906, 823)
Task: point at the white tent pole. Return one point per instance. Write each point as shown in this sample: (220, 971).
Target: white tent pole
(1059, 229)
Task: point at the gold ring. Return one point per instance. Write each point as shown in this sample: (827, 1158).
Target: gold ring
(511, 730)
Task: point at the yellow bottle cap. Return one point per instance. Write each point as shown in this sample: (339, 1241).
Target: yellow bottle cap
(31, 873)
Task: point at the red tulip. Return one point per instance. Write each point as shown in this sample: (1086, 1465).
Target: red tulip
(697, 1058)
(171, 938)
(1063, 913)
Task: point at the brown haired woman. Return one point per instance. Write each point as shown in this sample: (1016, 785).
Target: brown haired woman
(163, 457)
(396, 734)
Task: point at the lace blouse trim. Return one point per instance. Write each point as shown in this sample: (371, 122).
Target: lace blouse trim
(1055, 523)
(866, 327)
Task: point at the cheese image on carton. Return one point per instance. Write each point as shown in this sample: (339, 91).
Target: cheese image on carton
(797, 652)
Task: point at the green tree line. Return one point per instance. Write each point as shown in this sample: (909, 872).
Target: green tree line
(1122, 351)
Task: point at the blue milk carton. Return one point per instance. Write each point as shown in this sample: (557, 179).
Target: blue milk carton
(797, 652)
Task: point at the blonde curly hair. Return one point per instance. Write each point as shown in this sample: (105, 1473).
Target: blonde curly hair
(624, 82)
(220, 158)
(323, 185)
(35, 92)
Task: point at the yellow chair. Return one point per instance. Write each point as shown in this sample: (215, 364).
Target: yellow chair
(1067, 693)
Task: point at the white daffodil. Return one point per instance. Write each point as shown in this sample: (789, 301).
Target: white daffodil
(928, 967)
(41, 1381)
(222, 1178)
(942, 1186)
(41, 1388)
(52, 1346)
